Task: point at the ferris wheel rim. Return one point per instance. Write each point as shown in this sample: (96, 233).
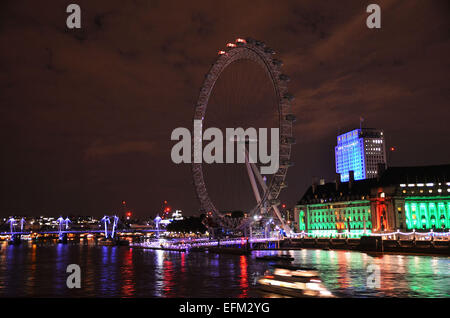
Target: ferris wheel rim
(256, 51)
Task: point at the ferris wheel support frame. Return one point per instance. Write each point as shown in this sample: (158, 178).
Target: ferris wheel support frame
(252, 170)
(251, 176)
(283, 224)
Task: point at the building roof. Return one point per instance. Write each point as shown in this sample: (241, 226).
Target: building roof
(423, 174)
(360, 189)
(329, 192)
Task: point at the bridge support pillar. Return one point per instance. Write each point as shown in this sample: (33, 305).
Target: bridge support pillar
(16, 239)
(62, 238)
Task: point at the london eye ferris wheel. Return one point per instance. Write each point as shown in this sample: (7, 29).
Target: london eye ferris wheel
(245, 82)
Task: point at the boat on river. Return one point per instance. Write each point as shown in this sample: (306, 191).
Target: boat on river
(293, 281)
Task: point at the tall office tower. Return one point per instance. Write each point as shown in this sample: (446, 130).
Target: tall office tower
(361, 150)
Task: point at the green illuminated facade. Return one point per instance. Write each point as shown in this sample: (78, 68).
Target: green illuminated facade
(429, 213)
(331, 219)
(385, 204)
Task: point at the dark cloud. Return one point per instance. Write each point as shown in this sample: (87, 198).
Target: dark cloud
(87, 114)
(99, 150)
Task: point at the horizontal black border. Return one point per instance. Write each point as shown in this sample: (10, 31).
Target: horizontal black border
(127, 307)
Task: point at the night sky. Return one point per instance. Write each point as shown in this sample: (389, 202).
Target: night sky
(86, 115)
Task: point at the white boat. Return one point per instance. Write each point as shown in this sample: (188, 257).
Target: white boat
(294, 281)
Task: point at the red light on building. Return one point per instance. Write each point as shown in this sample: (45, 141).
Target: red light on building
(283, 206)
(392, 149)
(221, 52)
(240, 40)
(231, 45)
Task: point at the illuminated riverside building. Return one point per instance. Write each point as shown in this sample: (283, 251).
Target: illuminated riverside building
(401, 198)
(362, 151)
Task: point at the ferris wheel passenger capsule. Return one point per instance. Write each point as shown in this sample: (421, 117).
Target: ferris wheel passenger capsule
(289, 140)
(277, 62)
(291, 117)
(286, 163)
(284, 77)
(288, 96)
(260, 43)
(250, 40)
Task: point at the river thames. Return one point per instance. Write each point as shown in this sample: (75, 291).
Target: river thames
(118, 271)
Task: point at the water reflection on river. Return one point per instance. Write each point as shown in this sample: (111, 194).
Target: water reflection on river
(40, 271)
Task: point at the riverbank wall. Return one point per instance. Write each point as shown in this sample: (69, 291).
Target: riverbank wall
(371, 244)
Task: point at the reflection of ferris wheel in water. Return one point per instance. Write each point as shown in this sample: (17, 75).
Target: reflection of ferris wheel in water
(266, 191)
